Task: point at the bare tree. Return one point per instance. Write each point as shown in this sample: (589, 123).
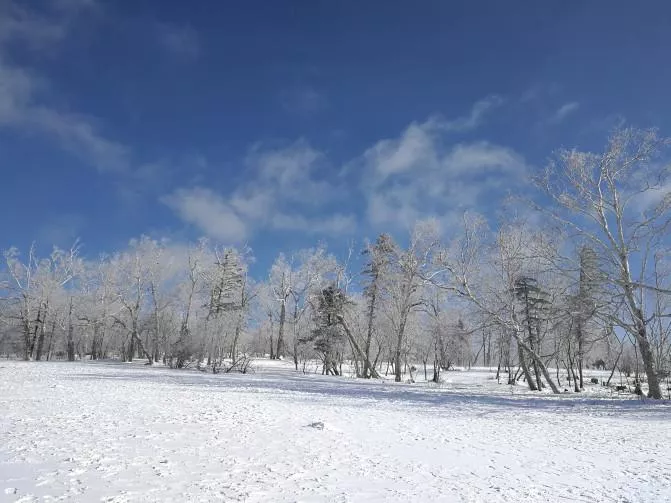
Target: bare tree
(405, 284)
(618, 202)
(130, 284)
(281, 284)
(34, 287)
(376, 270)
(484, 274)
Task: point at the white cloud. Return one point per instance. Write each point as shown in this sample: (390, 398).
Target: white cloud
(421, 173)
(564, 111)
(333, 224)
(284, 185)
(415, 147)
(478, 112)
(40, 30)
(291, 172)
(424, 173)
(23, 26)
(209, 212)
(22, 104)
(79, 136)
(481, 157)
(16, 90)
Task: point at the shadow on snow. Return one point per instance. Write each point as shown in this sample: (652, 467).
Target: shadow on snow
(310, 386)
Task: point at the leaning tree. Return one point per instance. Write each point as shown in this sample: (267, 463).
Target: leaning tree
(618, 202)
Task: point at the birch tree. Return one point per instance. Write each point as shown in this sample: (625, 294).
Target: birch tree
(618, 202)
(130, 280)
(406, 284)
(376, 270)
(34, 286)
(483, 273)
(281, 285)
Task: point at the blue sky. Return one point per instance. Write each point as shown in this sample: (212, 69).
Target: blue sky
(280, 124)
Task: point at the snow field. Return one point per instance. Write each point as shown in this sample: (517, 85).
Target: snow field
(129, 433)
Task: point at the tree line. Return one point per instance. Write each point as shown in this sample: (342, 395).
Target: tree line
(579, 278)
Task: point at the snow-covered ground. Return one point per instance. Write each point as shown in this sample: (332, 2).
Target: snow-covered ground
(125, 432)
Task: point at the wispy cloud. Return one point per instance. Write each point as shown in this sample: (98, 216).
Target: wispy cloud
(181, 41)
(564, 111)
(20, 25)
(21, 108)
(22, 103)
(210, 213)
(476, 117)
(330, 225)
(284, 192)
(424, 172)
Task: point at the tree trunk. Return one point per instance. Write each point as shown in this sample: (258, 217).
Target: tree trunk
(40, 342)
(570, 370)
(71, 342)
(654, 389)
(51, 340)
(436, 370)
(525, 369)
(33, 338)
(399, 347)
(26, 339)
(234, 347)
(615, 365)
(369, 331)
(295, 331)
(537, 373)
(279, 353)
(538, 362)
(296, 353)
(580, 337)
(547, 376)
(356, 347)
(377, 357)
(272, 346)
(489, 349)
(576, 380)
(131, 349)
(135, 337)
(94, 344)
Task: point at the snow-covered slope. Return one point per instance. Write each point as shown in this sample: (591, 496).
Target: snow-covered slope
(119, 432)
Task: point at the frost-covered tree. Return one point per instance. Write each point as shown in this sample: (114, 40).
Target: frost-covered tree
(313, 270)
(34, 288)
(379, 258)
(281, 285)
(130, 286)
(619, 202)
(406, 286)
(483, 272)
